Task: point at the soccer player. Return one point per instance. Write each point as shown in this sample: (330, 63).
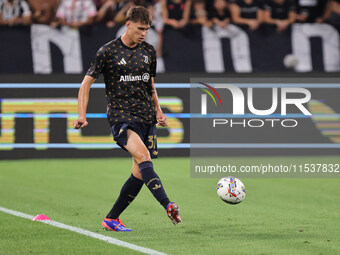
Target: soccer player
(128, 65)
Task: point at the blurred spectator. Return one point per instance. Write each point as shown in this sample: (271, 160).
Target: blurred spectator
(75, 13)
(209, 4)
(14, 12)
(157, 24)
(332, 14)
(200, 14)
(247, 13)
(280, 13)
(220, 14)
(176, 12)
(107, 10)
(122, 10)
(43, 10)
(155, 10)
(310, 11)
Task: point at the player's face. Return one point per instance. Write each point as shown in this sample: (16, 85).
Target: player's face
(137, 31)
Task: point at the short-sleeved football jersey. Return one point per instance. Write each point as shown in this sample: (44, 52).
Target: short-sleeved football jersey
(127, 74)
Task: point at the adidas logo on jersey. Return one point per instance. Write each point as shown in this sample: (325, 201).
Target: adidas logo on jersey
(122, 62)
(157, 186)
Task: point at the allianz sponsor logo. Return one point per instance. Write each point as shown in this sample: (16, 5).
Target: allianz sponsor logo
(145, 77)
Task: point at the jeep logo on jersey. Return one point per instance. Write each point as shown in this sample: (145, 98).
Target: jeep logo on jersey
(146, 77)
(126, 78)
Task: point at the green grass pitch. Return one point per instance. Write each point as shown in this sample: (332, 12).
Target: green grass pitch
(278, 216)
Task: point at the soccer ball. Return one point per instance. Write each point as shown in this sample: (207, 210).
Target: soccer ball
(290, 61)
(231, 190)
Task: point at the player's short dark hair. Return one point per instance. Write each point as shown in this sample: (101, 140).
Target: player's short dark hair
(139, 14)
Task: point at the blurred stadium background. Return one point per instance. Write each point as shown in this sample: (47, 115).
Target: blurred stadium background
(46, 46)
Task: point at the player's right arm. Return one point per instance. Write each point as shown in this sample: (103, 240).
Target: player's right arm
(83, 100)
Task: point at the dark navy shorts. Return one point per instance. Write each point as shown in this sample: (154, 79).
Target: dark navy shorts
(146, 132)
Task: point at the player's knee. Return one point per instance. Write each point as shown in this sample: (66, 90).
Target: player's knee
(136, 173)
(142, 156)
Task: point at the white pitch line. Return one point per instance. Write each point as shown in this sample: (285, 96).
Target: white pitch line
(86, 233)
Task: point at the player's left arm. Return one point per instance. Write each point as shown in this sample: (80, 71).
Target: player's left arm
(161, 118)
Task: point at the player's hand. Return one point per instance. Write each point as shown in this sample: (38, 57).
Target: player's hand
(162, 119)
(80, 123)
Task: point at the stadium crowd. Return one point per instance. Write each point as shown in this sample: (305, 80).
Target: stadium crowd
(175, 14)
